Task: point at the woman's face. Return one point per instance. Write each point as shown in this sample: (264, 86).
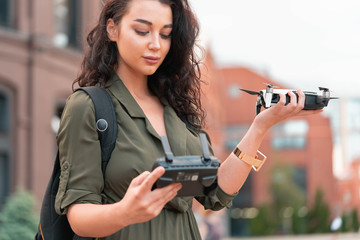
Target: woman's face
(143, 36)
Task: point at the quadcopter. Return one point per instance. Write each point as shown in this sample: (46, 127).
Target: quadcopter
(270, 96)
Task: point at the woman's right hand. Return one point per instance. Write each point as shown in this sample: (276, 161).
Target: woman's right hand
(141, 203)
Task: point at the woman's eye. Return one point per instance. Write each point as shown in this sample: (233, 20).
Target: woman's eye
(141, 33)
(165, 36)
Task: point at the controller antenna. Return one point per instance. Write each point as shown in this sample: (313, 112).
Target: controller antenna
(168, 154)
(205, 147)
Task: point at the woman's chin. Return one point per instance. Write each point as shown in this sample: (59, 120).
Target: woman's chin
(150, 72)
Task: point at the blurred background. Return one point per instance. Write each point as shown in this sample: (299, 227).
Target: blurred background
(310, 185)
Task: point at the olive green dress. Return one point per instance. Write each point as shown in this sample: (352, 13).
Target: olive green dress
(137, 147)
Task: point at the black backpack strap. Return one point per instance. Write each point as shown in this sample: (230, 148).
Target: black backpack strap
(106, 124)
(54, 226)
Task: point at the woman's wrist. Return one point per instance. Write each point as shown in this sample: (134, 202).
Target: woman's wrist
(121, 215)
(259, 127)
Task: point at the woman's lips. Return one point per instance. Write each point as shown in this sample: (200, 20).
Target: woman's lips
(151, 59)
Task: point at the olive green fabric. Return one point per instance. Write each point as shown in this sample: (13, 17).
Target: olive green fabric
(137, 148)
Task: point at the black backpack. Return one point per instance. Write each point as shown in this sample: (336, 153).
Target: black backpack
(53, 226)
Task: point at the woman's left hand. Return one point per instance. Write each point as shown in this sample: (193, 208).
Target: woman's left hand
(279, 112)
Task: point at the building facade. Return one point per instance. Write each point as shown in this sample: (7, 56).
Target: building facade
(40, 55)
(302, 143)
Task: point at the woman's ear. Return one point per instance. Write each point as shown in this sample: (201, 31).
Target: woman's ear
(112, 30)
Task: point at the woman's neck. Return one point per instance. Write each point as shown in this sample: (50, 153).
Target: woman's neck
(136, 83)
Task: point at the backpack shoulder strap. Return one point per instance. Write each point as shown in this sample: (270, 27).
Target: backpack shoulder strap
(52, 225)
(106, 124)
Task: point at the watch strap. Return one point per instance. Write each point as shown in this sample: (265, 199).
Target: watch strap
(253, 161)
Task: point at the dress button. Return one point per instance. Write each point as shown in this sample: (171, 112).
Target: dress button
(66, 166)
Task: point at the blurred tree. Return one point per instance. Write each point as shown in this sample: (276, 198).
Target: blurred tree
(345, 226)
(263, 224)
(319, 215)
(284, 190)
(355, 221)
(288, 197)
(287, 213)
(299, 220)
(350, 221)
(18, 219)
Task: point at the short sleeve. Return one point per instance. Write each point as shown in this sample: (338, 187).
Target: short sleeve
(81, 179)
(220, 200)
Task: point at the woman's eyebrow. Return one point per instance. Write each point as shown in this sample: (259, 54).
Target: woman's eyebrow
(150, 23)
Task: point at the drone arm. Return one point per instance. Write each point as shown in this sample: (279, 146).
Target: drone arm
(258, 108)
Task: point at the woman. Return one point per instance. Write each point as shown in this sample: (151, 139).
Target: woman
(142, 52)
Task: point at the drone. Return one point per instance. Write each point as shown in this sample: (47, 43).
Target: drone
(270, 96)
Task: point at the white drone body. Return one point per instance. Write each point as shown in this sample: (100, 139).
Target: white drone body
(270, 96)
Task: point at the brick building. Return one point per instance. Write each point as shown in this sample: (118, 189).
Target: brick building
(304, 143)
(39, 57)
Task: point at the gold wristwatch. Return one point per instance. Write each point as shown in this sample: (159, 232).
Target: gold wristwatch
(253, 161)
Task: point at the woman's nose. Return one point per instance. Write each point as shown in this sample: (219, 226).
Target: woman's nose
(155, 42)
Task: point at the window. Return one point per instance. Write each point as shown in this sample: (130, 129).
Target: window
(4, 145)
(299, 177)
(241, 212)
(233, 91)
(234, 134)
(290, 135)
(353, 127)
(4, 120)
(284, 178)
(55, 121)
(4, 177)
(5, 13)
(67, 23)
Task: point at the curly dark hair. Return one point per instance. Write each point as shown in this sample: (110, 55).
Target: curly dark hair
(178, 77)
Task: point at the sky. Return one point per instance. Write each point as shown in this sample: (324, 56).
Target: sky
(299, 43)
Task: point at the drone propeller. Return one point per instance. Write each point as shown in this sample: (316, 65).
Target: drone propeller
(324, 89)
(270, 85)
(250, 92)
